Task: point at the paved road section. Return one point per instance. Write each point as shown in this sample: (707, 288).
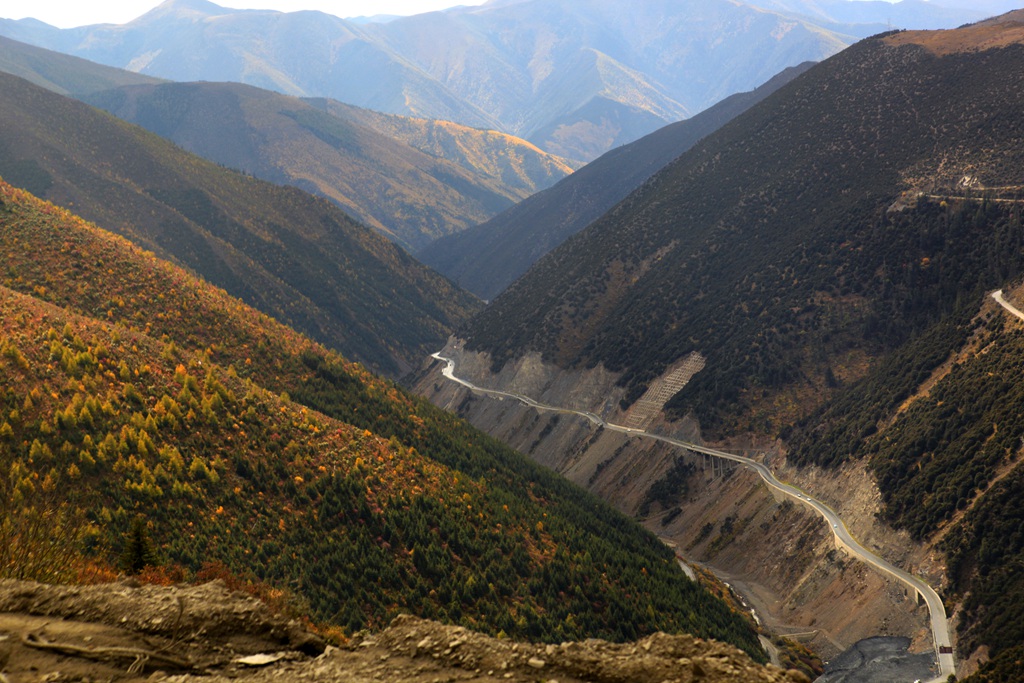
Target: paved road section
(998, 296)
(939, 623)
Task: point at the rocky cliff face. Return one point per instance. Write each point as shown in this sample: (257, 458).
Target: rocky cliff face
(780, 556)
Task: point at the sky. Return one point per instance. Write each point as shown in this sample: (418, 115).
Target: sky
(68, 13)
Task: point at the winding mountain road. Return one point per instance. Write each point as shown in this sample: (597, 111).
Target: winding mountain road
(939, 623)
(998, 296)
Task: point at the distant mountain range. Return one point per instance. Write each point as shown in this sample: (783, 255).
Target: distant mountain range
(485, 259)
(410, 179)
(863, 18)
(575, 77)
(287, 253)
(410, 195)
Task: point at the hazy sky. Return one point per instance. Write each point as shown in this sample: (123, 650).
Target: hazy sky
(68, 13)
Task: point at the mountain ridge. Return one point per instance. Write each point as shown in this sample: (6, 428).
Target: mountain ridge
(702, 162)
(61, 73)
(486, 258)
(400, 191)
(294, 256)
(830, 253)
(600, 76)
(410, 179)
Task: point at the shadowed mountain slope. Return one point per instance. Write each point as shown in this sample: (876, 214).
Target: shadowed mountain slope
(409, 195)
(289, 254)
(486, 258)
(709, 243)
(62, 73)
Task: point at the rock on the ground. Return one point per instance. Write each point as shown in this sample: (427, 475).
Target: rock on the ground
(218, 635)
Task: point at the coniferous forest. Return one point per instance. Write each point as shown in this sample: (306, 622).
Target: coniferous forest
(243, 445)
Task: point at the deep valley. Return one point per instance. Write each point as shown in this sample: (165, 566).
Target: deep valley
(561, 340)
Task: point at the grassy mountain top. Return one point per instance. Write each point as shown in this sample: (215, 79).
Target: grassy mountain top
(997, 32)
(145, 392)
(293, 256)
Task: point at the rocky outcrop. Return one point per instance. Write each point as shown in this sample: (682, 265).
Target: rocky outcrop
(207, 633)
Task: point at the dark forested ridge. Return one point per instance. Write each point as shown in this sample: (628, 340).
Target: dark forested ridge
(144, 393)
(486, 258)
(831, 253)
(947, 458)
(293, 256)
(948, 463)
(771, 247)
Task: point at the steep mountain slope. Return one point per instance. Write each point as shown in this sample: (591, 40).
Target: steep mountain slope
(411, 196)
(574, 77)
(62, 73)
(289, 254)
(487, 258)
(743, 248)
(132, 390)
(522, 167)
(830, 252)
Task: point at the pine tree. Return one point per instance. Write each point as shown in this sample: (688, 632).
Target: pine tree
(139, 551)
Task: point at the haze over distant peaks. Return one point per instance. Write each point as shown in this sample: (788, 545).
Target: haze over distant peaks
(575, 77)
(62, 73)
(409, 195)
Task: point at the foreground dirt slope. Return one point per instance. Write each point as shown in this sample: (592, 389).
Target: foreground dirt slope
(126, 632)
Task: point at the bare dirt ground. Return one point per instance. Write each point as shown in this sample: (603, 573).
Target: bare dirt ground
(126, 632)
